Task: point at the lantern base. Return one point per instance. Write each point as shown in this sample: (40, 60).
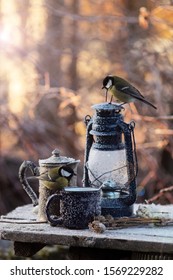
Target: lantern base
(116, 209)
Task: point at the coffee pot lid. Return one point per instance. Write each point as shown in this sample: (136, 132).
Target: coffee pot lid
(57, 159)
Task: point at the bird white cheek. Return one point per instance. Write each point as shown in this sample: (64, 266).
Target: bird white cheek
(65, 173)
(109, 84)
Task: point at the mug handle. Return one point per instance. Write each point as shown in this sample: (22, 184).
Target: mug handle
(23, 179)
(54, 220)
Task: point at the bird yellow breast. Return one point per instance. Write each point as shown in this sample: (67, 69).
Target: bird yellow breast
(121, 96)
(60, 183)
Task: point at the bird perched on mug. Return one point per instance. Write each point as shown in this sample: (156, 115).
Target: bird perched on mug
(123, 91)
(56, 178)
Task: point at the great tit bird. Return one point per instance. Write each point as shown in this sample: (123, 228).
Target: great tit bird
(56, 178)
(123, 90)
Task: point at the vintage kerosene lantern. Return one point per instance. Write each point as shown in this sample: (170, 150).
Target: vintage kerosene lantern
(110, 159)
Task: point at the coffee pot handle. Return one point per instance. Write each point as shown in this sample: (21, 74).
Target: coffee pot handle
(54, 219)
(23, 179)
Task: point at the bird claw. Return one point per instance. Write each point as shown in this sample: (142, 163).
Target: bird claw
(121, 107)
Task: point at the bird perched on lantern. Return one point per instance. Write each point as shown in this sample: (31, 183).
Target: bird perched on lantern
(56, 178)
(123, 91)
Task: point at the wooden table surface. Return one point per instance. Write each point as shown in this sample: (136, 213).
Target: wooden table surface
(19, 226)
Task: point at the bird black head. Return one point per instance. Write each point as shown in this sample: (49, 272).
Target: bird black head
(108, 82)
(66, 172)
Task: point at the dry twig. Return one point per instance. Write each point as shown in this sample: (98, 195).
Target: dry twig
(111, 223)
(160, 194)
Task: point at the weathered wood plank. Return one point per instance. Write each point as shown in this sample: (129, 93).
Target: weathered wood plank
(139, 239)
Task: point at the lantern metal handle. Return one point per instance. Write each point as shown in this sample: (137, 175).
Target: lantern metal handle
(89, 141)
(130, 148)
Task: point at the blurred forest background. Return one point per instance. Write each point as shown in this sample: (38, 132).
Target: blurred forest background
(54, 55)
